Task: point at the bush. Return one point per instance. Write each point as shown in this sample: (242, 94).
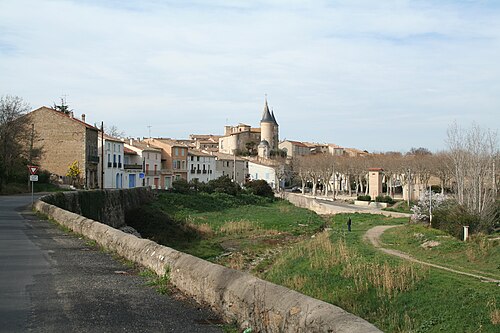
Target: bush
(452, 217)
(386, 199)
(364, 198)
(223, 184)
(260, 187)
(180, 186)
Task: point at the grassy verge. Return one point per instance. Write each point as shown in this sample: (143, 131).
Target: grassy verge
(340, 268)
(18, 188)
(480, 255)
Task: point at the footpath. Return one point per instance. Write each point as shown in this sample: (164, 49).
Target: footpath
(373, 236)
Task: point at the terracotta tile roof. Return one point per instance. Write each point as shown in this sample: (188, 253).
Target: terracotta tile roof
(129, 151)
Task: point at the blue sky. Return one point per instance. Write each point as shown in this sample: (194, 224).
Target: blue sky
(375, 75)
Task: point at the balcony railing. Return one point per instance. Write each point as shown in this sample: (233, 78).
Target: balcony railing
(132, 166)
(152, 173)
(93, 159)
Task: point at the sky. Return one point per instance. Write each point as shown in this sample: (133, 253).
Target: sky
(375, 75)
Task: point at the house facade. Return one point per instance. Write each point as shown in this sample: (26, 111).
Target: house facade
(174, 160)
(113, 166)
(266, 172)
(151, 161)
(230, 165)
(294, 148)
(201, 166)
(133, 168)
(64, 140)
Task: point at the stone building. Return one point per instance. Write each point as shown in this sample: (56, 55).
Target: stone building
(244, 138)
(64, 140)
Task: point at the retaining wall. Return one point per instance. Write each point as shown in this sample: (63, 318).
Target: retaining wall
(106, 206)
(234, 295)
(319, 207)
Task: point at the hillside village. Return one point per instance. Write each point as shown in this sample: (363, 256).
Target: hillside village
(242, 152)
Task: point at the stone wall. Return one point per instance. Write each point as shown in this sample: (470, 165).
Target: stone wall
(106, 206)
(236, 296)
(323, 208)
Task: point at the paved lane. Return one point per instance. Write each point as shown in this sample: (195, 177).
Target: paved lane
(51, 281)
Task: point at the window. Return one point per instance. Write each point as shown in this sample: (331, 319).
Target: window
(182, 152)
(198, 158)
(176, 151)
(183, 164)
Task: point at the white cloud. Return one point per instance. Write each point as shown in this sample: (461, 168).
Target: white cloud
(337, 71)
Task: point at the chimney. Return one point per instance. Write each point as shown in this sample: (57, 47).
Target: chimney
(131, 141)
(71, 114)
(83, 117)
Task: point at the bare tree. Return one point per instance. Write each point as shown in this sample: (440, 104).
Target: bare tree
(14, 135)
(114, 131)
(442, 168)
(473, 153)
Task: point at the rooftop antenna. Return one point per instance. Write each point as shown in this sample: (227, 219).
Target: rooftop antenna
(149, 127)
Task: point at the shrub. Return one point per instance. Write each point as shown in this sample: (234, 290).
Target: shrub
(364, 198)
(180, 186)
(386, 199)
(260, 187)
(451, 217)
(223, 184)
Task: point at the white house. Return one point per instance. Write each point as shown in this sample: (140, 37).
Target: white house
(113, 161)
(151, 161)
(133, 166)
(201, 166)
(265, 172)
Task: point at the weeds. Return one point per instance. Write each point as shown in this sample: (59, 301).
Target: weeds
(238, 227)
(160, 283)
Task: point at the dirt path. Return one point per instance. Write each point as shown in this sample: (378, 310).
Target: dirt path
(373, 236)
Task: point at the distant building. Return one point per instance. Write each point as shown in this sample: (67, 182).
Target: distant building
(245, 139)
(201, 166)
(294, 148)
(113, 161)
(151, 160)
(64, 140)
(174, 159)
(265, 172)
(230, 165)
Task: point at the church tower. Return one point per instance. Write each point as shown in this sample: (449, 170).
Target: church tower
(268, 131)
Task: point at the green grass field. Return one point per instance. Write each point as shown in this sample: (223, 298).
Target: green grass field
(319, 257)
(480, 255)
(340, 268)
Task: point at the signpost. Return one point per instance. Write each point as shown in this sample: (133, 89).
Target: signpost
(33, 178)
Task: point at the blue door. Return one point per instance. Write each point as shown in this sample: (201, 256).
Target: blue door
(131, 181)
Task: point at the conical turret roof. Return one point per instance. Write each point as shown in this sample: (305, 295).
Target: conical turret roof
(274, 118)
(266, 115)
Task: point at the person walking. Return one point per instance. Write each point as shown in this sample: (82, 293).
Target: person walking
(349, 222)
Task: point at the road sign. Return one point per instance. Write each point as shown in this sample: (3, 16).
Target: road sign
(141, 175)
(34, 178)
(33, 169)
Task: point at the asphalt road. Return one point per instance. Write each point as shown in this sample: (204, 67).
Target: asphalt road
(51, 281)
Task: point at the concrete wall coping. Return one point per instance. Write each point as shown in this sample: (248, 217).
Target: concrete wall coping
(235, 295)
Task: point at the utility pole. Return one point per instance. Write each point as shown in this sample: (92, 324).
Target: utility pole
(102, 155)
(32, 138)
(430, 206)
(409, 186)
